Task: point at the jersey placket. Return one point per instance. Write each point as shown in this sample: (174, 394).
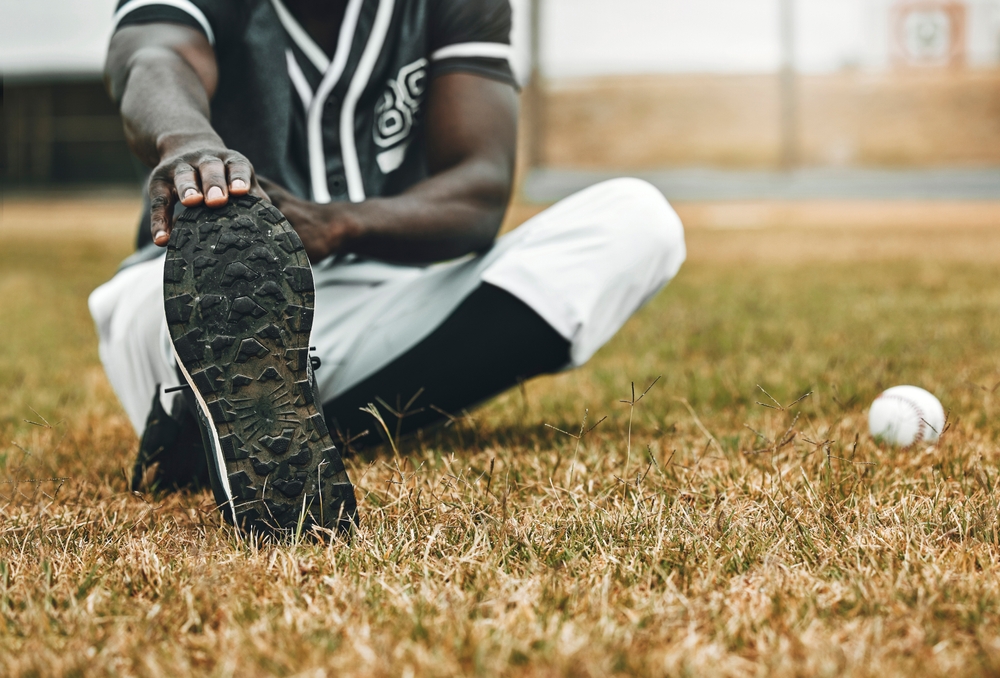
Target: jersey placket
(315, 103)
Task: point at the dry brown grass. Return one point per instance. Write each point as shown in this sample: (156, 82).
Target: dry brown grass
(671, 539)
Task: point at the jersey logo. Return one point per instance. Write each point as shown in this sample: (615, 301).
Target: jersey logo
(395, 113)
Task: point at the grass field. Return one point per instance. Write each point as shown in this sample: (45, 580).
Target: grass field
(705, 529)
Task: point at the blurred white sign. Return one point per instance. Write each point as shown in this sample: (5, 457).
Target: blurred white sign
(929, 32)
(927, 35)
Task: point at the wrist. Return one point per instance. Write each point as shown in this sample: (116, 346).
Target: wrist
(178, 143)
(346, 228)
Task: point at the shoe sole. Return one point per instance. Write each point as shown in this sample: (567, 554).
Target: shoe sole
(239, 297)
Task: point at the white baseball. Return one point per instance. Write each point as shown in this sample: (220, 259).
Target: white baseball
(905, 416)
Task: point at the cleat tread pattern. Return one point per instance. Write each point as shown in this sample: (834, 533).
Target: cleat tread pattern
(210, 379)
(238, 381)
(271, 332)
(237, 271)
(278, 444)
(247, 350)
(203, 262)
(270, 289)
(290, 486)
(302, 457)
(299, 318)
(178, 309)
(221, 343)
(263, 467)
(229, 239)
(250, 348)
(242, 485)
(300, 278)
(244, 306)
(269, 374)
(233, 448)
(189, 346)
(173, 270)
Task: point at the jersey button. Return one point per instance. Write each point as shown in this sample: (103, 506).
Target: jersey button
(338, 184)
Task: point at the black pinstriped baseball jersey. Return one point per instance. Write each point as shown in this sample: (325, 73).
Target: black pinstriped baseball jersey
(344, 126)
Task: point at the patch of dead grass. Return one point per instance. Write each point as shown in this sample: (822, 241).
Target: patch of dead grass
(695, 532)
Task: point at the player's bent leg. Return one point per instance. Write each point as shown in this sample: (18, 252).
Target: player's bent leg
(548, 295)
(488, 344)
(591, 261)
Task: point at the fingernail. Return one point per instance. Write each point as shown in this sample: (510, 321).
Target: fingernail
(214, 193)
(160, 234)
(239, 184)
(190, 192)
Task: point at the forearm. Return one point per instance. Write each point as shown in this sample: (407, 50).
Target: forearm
(446, 216)
(163, 77)
(471, 136)
(164, 106)
(450, 214)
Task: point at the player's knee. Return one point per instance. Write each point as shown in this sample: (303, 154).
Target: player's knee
(646, 220)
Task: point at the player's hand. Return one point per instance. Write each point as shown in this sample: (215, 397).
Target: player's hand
(195, 172)
(323, 229)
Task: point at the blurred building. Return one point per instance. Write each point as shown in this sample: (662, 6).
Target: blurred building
(660, 83)
(59, 126)
(653, 83)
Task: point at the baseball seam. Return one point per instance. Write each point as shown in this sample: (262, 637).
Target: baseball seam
(919, 437)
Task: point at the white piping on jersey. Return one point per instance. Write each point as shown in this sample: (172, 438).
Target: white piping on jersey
(313, 52)
(348, 147)
(299, 80)
(183, 5)
(314, 118)
(488, 50)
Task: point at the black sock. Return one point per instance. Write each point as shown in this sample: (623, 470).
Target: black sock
(489, 343)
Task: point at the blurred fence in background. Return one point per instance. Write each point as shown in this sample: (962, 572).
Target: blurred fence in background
(59, 131)
(855, 118)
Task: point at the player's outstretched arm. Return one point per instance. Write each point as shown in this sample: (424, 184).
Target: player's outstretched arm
(163, 77)
(471, 129)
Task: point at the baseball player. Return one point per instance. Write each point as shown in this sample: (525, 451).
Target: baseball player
(328, 180)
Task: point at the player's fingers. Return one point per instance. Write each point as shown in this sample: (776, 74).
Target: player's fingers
(240, 175)
(213, 181)
(161, 207)
(186, 184)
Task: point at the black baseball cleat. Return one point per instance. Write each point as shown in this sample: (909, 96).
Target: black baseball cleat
(239, 297)
(171, 453)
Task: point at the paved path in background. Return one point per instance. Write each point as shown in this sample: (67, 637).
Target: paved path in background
(549, 185)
